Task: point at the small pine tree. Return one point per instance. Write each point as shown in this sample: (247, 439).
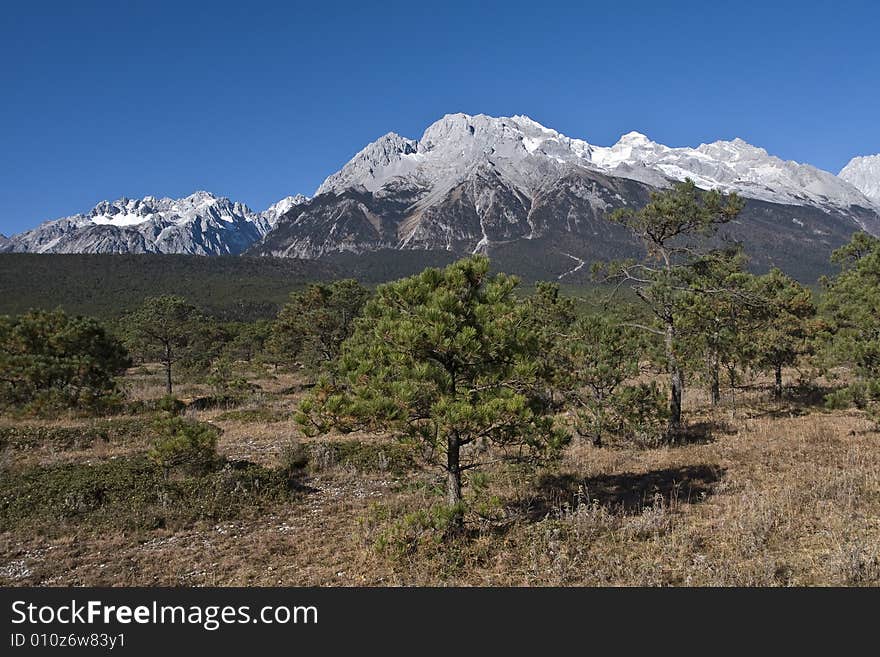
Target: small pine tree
(184, 444)
(599, 361)
(717, 315)
(787, 332)
(851, 303)
(446, 357)
(52, 359)
(166, 328)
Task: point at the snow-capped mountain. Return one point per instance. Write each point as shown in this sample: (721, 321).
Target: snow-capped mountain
(200, 224)
(453, 145)
(473, 183)
(863, 173)
(4, 242)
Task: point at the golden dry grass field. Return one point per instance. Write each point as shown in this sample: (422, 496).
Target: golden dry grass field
(767, 493)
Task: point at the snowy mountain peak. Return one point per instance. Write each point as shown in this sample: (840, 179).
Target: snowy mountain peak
(635, 139)
(863, 173)
(735, 150)
(363, 167)
(732, 166)
(201, 195)
(455, 145)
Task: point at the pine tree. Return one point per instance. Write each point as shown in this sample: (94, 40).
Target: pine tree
(167, 328)
(851, 302)
(668, 227)
(551, 316)
(312, 326)
(599, 360)
(52, 358)
(786, 333)
(717, 315)
(446, 357)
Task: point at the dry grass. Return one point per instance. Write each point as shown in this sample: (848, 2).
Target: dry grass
(768, 495)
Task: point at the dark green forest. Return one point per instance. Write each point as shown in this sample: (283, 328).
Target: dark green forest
(226, 287)
(107, 286)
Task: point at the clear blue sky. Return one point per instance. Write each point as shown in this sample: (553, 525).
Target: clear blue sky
(256, 101)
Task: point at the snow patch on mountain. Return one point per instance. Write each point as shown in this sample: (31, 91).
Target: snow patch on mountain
(734, 166)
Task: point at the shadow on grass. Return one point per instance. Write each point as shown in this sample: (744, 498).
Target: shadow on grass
(626, 493)
(701, 433)
(797, 401)
(295, 479)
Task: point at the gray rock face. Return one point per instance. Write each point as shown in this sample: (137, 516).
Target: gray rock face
(4, 242)
(200, 224)
(372, 166)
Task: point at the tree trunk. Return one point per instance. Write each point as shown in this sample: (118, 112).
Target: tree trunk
(731, 374)
(168, 388)
(716, 384)
(675, 380)
(777, 389)
(453, 478)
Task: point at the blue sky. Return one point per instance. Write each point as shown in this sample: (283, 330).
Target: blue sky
(256, 101)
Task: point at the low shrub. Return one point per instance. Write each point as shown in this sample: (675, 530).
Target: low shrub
(864, 395)
(184, 444)
(114, 431)
(393, 457)
(168, 404)
(213, 402)
(133, 494)
(413, 532)
(295, 457)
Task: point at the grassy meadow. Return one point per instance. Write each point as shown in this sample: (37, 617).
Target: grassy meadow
(761, 493)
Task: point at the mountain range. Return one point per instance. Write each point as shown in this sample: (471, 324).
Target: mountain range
(200, 224)
(531, 197)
